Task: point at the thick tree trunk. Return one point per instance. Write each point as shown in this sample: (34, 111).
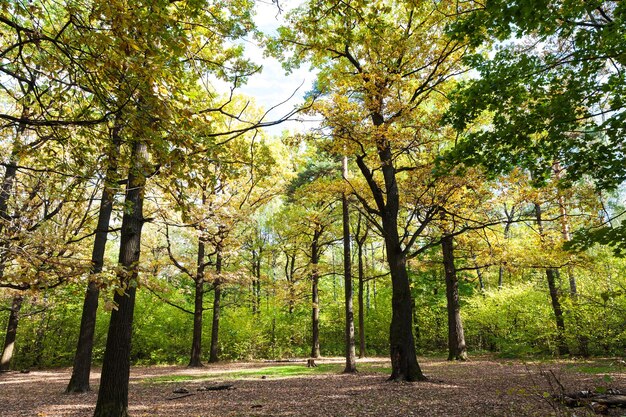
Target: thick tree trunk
(347, 274)
(113, 392)
(315, 298)
(402, 344)
(195, 360)
(9, 340)
(456, 337)
(79, 382)
(554, 294)
(217, 299)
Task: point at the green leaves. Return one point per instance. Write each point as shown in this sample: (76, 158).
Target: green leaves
(556, 94)
(611, 236)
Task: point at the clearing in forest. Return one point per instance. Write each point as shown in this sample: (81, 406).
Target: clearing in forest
(480, 387)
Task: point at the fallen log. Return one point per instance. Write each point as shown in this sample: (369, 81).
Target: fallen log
(609, 398)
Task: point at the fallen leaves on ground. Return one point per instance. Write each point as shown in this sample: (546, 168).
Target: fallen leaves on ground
(483, 387)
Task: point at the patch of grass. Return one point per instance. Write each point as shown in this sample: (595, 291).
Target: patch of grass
(596, 367)
(279, 371)
(172, 378)
(374, 368)
(285, 371)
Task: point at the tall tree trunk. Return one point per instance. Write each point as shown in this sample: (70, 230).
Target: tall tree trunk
(456, 337)
(113, 392)
(256, 281)
(40, 337)
(315, 298)
(9, 340)
(565, 227)
(290, 267)
(551, 274)
(479, 274)
(347, 273)
(554, 294)
(253, 283)
(361, 300)
(507, 234)
(402, 344)
(565, 232)
(217, 299)
(198, 308)
(79, 382)
(5, 193)
(404, 365)
(583, 341)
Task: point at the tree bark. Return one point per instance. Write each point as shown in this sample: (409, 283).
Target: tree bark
(198, 310)
(583, 341)
(79, 382)
(554, 294)
(558, 311)
(217, 293)
(315, 299)
(565, 227)
(457, 349)
(402, 344)
(5, 193)
(256, 281)
(507, 234)
(360, 241)
(479, 275)
(113, 392)
(9, 340)
(290, 267)
(347, 273)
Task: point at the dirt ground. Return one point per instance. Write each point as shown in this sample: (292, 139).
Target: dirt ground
(481, 387)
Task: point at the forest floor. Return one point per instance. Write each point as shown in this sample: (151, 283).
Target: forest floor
(483, 386)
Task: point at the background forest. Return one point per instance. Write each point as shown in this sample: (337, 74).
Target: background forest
(477, 150)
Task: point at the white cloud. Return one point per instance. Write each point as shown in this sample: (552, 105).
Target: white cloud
(272, 86)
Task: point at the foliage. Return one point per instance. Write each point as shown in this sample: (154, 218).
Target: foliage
(552, 89)
(546, 108)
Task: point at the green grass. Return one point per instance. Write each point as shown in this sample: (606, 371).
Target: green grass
(280, 371)
(596, 367)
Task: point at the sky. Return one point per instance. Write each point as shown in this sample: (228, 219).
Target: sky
(272, 86)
